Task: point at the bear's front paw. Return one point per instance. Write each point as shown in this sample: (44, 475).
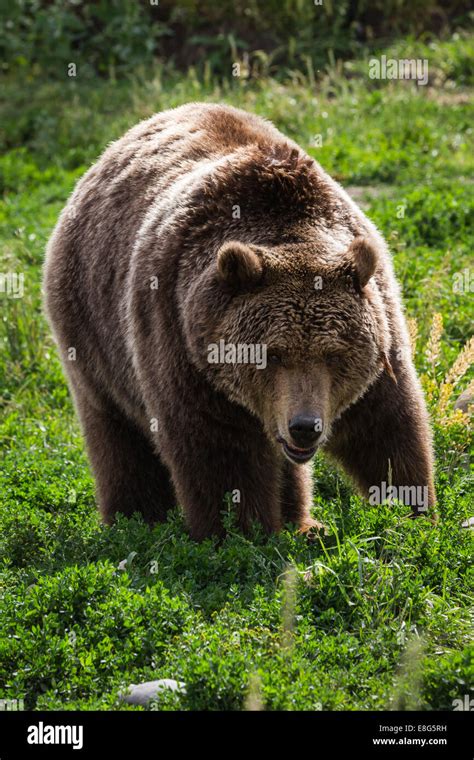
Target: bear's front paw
(312, 528)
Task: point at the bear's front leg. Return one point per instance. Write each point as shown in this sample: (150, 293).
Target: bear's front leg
(297, 497)
(210, 469)
(384, 441)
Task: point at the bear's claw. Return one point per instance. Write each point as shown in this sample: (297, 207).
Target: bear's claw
(312, 529)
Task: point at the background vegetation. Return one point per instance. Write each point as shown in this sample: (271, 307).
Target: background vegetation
(376, 614)
(109, 37)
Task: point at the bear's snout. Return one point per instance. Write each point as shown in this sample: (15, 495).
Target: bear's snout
(305, 429)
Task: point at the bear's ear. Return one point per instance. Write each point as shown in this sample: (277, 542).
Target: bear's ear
(364, 259)
(239, 265)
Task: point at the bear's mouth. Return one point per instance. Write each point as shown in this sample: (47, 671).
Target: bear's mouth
(296, 455)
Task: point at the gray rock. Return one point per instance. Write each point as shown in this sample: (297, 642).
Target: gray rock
(464, 401)
(142, 693)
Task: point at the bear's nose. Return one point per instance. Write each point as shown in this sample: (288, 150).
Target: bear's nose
(305, 429)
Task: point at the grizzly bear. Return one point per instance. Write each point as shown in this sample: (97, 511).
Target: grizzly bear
(223, 310)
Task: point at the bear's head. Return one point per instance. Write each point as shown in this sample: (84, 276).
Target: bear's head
(294, 341)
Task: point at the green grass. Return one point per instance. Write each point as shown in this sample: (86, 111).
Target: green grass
(376, 614)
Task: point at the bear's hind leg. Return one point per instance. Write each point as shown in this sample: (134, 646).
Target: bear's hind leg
(130, 477)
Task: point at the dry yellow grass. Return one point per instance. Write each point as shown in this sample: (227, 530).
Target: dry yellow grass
(463, 362)
(412, 325)
(440, 394)
(434, 340)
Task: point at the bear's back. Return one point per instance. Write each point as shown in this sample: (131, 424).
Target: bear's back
(89, 254)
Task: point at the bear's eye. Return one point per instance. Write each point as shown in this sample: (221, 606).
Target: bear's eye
(275, 358)
(334, 360)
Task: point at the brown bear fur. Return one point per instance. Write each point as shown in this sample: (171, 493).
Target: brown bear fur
(205, 223)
